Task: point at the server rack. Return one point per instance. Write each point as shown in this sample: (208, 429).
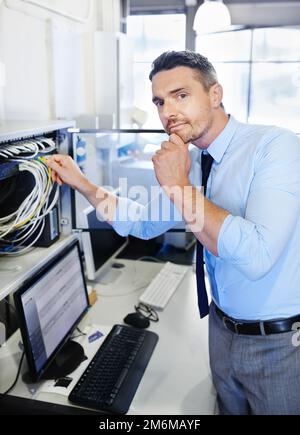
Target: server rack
(53, 136)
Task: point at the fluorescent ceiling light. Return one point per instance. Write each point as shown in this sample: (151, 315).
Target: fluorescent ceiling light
(212, 16)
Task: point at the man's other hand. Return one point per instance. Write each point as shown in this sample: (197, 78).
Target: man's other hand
(172, 163)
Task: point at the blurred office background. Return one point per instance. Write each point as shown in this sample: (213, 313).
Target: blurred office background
(89, 59)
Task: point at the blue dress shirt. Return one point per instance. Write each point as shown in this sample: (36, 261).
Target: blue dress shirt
(256, 178)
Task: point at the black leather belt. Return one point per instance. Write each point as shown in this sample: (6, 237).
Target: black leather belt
(257, 328)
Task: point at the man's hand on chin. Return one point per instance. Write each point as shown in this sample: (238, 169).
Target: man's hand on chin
(172, 163)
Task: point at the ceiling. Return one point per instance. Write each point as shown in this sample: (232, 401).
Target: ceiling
(243, 12)
(135, 4)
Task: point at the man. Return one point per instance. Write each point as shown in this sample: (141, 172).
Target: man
(251, 231)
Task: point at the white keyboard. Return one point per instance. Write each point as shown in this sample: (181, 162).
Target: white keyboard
(161, 289)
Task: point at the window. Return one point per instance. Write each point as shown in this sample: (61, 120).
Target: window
(275, 83)
(152, 35)
(260, 73)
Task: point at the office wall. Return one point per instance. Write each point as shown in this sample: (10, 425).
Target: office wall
(49, 57)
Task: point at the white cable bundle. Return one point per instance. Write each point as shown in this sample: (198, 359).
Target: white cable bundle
(17, 227)
(27, 149)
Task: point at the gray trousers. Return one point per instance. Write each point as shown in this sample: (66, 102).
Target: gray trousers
(254, 374)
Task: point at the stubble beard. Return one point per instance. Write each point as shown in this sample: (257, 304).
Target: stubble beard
(190, 137)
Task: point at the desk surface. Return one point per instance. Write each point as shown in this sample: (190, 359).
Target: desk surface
(177, 379)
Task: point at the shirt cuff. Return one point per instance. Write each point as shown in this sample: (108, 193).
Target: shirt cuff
(233, 231)
(121, 224)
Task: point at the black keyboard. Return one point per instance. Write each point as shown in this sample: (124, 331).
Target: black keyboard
(111, 379)
(12, 405)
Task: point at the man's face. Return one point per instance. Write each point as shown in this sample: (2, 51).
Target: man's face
(184, 107)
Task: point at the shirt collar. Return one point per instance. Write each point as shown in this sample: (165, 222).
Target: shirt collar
(218, 147)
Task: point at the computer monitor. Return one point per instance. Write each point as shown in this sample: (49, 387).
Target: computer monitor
(49, 306)
(101, 245)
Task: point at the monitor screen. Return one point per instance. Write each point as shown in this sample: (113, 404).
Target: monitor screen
(49, 306)
(101, 243)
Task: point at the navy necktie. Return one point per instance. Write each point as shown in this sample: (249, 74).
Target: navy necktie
(206, 163)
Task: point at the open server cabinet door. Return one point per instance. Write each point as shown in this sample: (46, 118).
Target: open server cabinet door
(120, 160)
(117, 160)
(114, 159)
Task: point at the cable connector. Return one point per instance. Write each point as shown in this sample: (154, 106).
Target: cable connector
(42, 159)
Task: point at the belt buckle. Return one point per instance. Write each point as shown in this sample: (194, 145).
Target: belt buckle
(235, 324)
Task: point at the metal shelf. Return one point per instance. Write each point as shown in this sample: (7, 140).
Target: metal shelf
(16, 130)
(15, 270)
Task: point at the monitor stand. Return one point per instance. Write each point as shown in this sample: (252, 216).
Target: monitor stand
(176, 255)
(66, 361)
(108, 276)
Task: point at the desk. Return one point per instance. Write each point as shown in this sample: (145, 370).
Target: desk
(177, 379)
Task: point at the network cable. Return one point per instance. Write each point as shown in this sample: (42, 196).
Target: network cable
(19, 226)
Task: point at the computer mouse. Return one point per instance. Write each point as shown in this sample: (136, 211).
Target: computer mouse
(117, 265)
(137, 320)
